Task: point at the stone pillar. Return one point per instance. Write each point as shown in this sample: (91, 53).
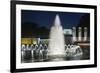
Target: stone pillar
(74, 34)
(85, 33)
(79, 34)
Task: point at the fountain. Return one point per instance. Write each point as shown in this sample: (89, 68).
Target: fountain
(56, 43)
(55, 50)
(73, 50)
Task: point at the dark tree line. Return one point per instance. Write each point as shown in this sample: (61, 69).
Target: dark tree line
(30, 29)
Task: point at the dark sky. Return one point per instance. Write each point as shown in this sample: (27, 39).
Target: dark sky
(46, 18)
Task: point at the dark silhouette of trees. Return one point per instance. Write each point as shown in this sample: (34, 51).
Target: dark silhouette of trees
(30, 29)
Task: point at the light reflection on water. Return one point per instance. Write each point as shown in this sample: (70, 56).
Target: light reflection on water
(42, 57)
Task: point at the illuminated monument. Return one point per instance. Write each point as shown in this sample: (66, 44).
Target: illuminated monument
(80, 38)
(56, 44)
(61, 45)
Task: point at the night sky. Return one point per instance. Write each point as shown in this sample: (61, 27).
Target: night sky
(46, 18)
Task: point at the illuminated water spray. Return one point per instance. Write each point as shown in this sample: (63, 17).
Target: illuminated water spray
(56, 44)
